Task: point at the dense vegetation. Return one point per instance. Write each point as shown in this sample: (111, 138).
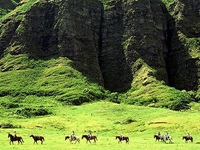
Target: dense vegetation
(23, 77)
(57, 78)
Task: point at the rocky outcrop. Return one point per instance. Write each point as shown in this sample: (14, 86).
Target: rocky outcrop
(166, 39)
(111, 44)
(131, 34)
(62, 28)
(115, 68)
(183, 56)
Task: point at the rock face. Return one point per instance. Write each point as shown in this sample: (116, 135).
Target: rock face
(110, 44)
(184, 45)
(115, 68)
(131, 34)
(63, 28)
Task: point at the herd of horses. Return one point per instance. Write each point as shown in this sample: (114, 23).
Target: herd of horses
(77, 139)
(169, 138)
(74, 139)
(88, 138)
(20, 140)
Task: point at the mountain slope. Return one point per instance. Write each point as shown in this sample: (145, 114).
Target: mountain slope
(75, 51)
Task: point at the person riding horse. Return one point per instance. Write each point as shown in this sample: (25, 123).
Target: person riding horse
(167, 135)
(159, 134)
(187, 134)
(122, 136)
(90, 134)
(15, 134)
(73, 135)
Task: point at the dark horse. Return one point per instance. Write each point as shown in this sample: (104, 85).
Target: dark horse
(75, 138)
(88, 138)
(186, 138)
(158, 137)
(125, 138)
(13, 138)
(37, 138)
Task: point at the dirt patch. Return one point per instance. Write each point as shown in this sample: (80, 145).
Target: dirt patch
(158, 122)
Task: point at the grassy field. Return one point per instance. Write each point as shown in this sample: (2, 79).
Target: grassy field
(106, 120)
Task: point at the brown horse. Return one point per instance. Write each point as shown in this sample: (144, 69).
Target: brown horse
(75, 138)
(13, 138)
(186, 138)
(37, 138)
(88, 138)
(158, 137)
(125, 138)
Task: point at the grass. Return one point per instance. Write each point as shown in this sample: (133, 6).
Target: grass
(56, 77)
(106, 120)
(147, 90)
(59, 79)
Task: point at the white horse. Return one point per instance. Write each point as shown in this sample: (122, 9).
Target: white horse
(165, 139)
(75, 138)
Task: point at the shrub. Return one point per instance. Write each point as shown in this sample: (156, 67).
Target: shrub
(73, 99)
(6, 125)
(29, 112)
(9, 105)
(114, 97)
(180, 104)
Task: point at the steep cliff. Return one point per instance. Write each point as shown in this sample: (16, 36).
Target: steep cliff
(50, 29)
(130, 40)
(184, 44)
(146, 49)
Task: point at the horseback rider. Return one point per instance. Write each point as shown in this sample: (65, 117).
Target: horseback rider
(90, 134)
(122, 136)
(167, 135)
(73, 135)
(159, 134)
(187, 134)
(15, 134)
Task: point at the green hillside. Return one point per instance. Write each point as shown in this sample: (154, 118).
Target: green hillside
(56, 78)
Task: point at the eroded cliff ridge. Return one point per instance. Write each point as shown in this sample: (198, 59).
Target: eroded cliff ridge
(128, 46)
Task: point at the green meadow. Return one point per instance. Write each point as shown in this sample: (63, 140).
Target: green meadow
(105, 120)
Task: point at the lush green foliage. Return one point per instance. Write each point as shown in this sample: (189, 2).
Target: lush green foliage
(55, 77)
(148, 91)
(22, 76)
(106, 120)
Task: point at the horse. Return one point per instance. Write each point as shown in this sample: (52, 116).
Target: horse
(125, 138)
(186, 138)
(158, 137)
(75, 138)
(13, 138)
(37, 138)
(88, 138)
(164, 139)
